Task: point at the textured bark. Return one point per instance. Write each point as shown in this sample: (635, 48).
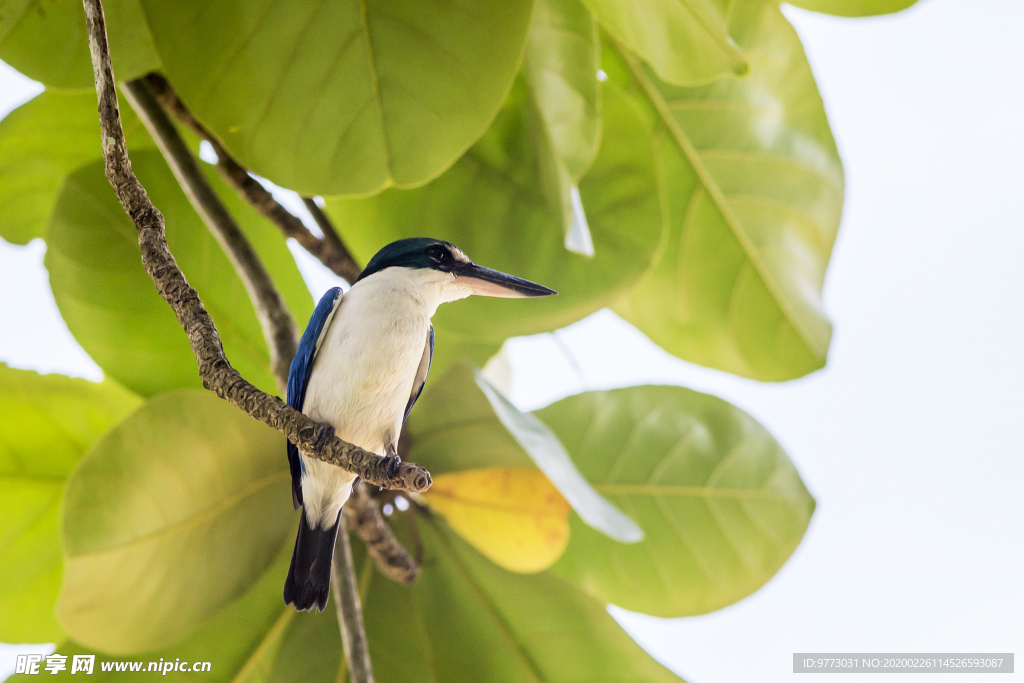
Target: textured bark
(350, 611)
(215, 371)
(277, 323)
(330, 250)
(368, 523)
(151, 96)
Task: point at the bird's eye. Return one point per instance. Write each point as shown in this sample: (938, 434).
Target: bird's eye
(438, 254)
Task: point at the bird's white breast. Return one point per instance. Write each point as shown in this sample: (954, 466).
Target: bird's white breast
(363, 374)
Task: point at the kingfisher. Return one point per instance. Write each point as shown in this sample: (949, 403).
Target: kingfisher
(361, 364)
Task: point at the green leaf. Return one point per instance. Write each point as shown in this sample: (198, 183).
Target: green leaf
(466, 620)
(495, 206)
(110, 304)
(344, 97)
(550, 456)
(46, 423)
(720, 503)
(560, 69)
(854, 8)
(311, 649)
(243, 642)
(684, 40)
(754, 190)
(34, 161)
(172, 515)
(46, 41)
(560, 65)
(449, 351)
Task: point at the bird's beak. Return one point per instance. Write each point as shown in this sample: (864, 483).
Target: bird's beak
(487, 282)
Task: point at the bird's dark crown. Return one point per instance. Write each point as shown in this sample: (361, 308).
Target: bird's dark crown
(417, 252)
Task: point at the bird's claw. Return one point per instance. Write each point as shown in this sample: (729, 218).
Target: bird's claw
(322, 436)
(393, 463)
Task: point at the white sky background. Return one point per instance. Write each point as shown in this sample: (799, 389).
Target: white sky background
(910, 438)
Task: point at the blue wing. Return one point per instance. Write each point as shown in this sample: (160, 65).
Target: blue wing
(421, 373)
(300, 370)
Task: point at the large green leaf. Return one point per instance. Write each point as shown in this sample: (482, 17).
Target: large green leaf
(109, 302)
(311, 649)
(854, 8)
(686, 41)
(494, 204)
(560, 69)
(46, 423)
(46, 41)
(244, 642)
(173, 514)
(254, 639)
(466, 620)
(41, 142)
(345, 96)
(721, 505)
(754, 189)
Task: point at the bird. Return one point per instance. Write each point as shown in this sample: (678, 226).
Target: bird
(361, 365)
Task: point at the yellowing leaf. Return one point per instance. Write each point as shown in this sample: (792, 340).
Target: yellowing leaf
(515, 516)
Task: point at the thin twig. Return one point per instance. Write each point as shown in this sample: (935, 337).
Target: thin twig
(333, 240)
(369, 525)
(214, 369)
(331, 250)
(278, 325)
(350, 611)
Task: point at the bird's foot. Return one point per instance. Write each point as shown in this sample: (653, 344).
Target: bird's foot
(393, 464)
(322, 436)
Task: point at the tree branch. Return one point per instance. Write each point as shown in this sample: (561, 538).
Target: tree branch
(214, 369)
(350, 611)
(277, 323)
(278, 326)
(330, 250)
(368, 523)
(279, 330)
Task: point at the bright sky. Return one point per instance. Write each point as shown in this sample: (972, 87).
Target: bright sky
(910, 438)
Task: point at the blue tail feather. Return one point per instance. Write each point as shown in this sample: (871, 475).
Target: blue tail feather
(309, 577)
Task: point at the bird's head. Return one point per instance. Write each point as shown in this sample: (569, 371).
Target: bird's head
(443, 265)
